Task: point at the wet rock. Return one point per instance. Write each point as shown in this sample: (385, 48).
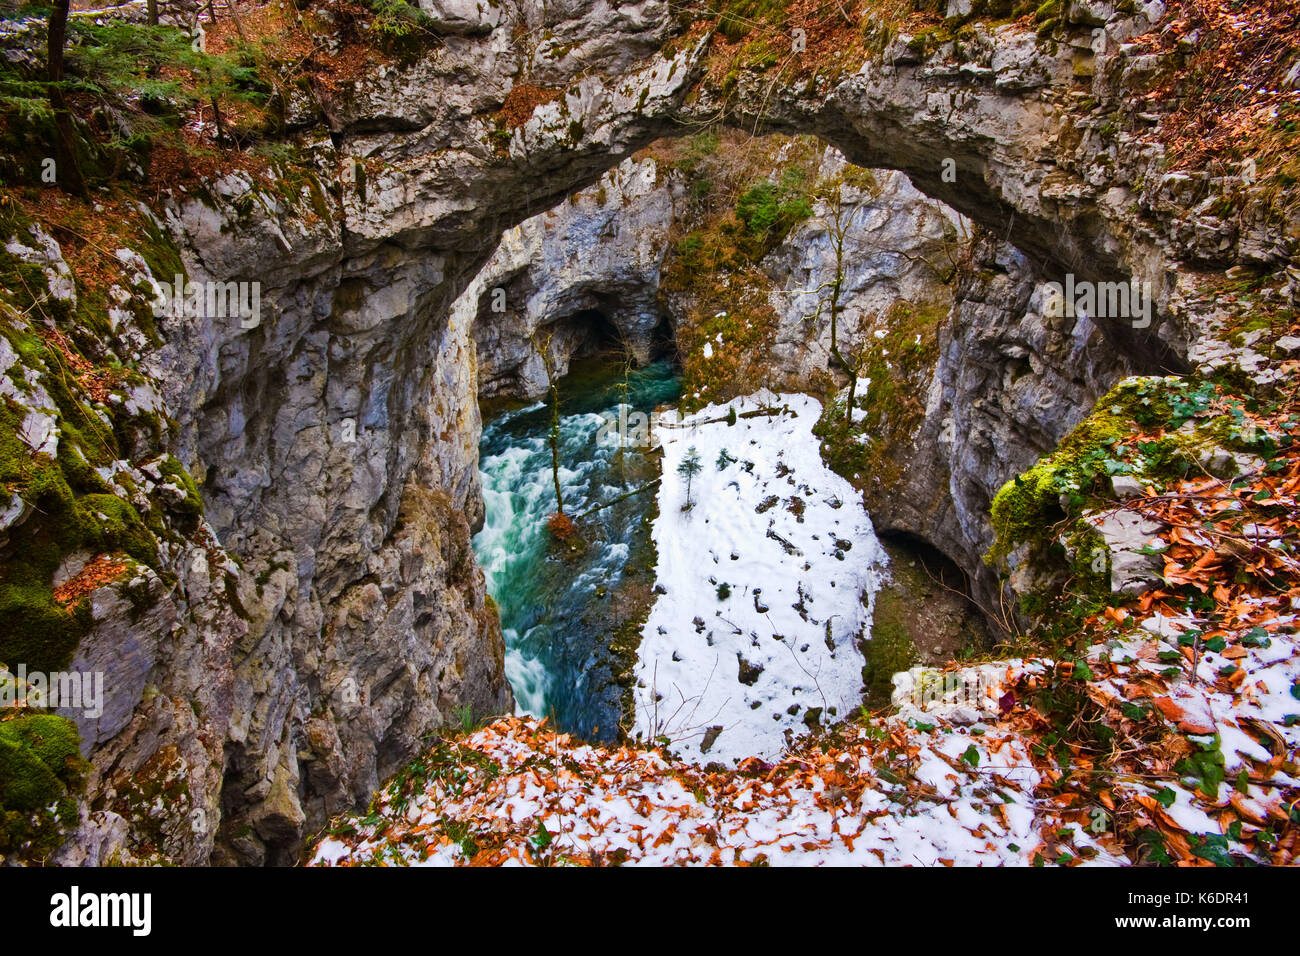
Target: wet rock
(710, 738)
(462, 16)
(1290, 344)
(1126, 535)
(1127, 486)
(748, 673)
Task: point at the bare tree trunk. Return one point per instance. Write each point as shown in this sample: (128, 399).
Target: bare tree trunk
(68, 172)
(625, 407)
(838, 232)
(216, 109)
(543, 349)
(555, 442)
(853, 391)
(233, 9)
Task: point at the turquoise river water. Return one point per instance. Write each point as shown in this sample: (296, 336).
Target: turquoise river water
(561, 604)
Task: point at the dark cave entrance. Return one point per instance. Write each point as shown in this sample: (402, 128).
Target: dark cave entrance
(590, 341)
(592, 333)
(930, 598)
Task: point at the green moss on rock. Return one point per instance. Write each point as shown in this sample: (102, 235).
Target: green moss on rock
(889, 650)
(1031, 503)
(898, 365)
(71, 510)
(41, 770)
(174, 472)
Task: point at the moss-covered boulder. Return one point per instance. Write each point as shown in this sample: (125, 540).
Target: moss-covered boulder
(1067, 541)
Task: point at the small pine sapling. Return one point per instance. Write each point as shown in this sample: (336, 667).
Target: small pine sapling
(688, 469)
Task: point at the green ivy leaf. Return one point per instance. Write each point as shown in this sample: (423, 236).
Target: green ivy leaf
(542, 838)
(1256, 637)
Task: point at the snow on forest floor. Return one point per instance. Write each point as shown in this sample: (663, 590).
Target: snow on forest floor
(515, 794)
(764, 585)
(1169, 736)
(974, 774)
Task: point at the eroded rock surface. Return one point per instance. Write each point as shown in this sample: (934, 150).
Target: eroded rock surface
(335, 439)
(579, 277)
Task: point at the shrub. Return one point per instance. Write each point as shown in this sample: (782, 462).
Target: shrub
(770, 210)
(561, 526)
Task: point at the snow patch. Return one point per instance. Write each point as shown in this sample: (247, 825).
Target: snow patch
(766, 584)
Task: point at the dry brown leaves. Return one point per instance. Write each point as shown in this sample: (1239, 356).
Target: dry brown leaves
(1223, 541)
(1232, 84)
(832, 35)
(88, 233)
(522, 99)
(98, 383)
(99, 571)
(560, 525)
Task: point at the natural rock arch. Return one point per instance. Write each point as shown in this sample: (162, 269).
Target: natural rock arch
(338, 438)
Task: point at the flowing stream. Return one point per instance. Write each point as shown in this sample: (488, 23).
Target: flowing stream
(562, 604)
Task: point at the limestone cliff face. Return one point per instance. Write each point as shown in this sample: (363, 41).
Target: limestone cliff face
(369, 625)
(160, 617)
(1006, 386)
(336, 439)
(894, 245)
(561, 278)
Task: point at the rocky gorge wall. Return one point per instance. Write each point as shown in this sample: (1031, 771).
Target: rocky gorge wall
(333, 613)
(590, 265)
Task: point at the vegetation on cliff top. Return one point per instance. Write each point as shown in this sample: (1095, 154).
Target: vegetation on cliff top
(738, 210)
(69, 415)
(895, 354)
(1177, 679)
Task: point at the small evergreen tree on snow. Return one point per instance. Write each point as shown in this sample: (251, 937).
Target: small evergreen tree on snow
(688, 469)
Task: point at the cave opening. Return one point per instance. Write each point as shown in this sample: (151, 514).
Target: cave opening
(939, 567)
(593, 333)
(603, 336)
(926, 600)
